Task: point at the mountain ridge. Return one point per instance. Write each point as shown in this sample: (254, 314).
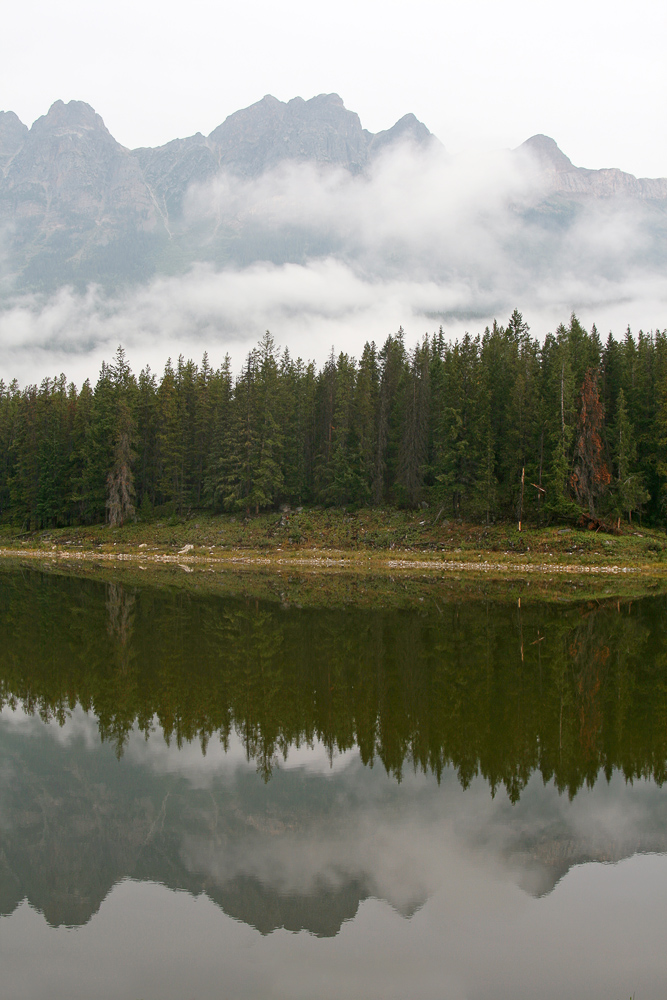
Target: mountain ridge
(565, 177)
(77, 207)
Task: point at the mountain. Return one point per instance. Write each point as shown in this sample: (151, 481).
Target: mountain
(75, 202)
(77, 207)
(268, 133)
(562, 177)
(13, 134)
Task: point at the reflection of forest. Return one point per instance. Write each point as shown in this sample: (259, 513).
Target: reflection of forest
(489, 688)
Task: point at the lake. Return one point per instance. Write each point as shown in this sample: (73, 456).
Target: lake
(205, 793)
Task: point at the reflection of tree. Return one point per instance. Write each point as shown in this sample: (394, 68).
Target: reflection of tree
(589, 685)
(410, 689)
(117, 695)
(119, 610)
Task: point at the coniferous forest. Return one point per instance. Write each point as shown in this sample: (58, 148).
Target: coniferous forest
(490, 427)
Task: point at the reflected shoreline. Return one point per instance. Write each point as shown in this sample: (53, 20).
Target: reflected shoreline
(491, 689)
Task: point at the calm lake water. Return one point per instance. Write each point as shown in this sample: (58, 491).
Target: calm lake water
(209, 796)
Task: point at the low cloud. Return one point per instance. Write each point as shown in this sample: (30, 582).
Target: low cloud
(421, 241)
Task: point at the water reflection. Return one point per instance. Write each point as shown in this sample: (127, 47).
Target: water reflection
(423, 789)
(488, 688)
(301, 853)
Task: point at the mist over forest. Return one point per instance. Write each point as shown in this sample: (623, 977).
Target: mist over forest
(291, 217)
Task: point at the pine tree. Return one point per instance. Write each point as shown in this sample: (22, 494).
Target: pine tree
(267, 476)
(629, 488)
(590, 477)
(79, 457)
(120, 481)
(221, 449)
(413, 452)
(146, 477)
(171, 488)
(392, 361)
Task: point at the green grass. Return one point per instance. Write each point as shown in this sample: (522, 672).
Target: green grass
(375, 532)
(368, 538)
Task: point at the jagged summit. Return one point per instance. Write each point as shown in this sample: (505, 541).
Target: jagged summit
(270, 131)
(550, 155)
(265, 134)
(12, 130)
(78, 207)
(321, 129)
(73, 115)
(12, 136)
(407, 129)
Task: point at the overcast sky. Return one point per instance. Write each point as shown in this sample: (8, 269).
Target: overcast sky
(479, 74)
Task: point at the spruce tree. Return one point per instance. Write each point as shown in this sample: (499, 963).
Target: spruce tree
(120, 481)
(630, 493)
(590, 476)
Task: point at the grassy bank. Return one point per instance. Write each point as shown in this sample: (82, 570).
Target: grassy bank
(381, 535)
(366, 541)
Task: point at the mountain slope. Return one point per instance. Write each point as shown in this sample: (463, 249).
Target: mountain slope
(561, 176)
(77, 207)
(76, 201)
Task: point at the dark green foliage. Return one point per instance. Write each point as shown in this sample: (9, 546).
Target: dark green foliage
(452, 424)
(568, 691)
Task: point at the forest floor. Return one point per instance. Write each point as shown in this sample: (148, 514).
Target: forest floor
(365, 539)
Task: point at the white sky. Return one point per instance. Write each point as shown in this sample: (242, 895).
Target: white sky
(480, 74)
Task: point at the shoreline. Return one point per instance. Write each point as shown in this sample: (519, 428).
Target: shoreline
(310, 578)
(363, 543)
(344, 560)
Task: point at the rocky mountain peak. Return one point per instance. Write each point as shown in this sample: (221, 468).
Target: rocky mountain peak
(561, 176)
(75, 116)
(12, 131)
(407, 129)
(76, 206)
(546, 151)
(270, 131)
(12, 136)
(69, 189)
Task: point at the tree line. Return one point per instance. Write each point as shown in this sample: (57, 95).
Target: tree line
(495, 426)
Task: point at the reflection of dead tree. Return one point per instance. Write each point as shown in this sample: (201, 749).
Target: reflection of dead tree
(120, 618)
(590, 656)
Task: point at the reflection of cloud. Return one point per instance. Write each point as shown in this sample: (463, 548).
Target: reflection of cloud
(74, 725)
(419, 241)
(425, 848)
(200, 769)
(404, 842)
(407, 845)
